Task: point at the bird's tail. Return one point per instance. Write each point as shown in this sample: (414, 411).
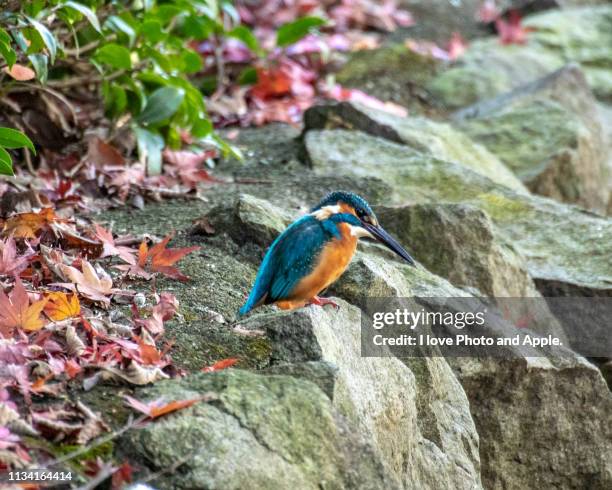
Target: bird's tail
(245, 309)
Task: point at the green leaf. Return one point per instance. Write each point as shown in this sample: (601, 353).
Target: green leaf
(11, 138)
(4, 37)
(294, 31)
(40, 62)
(87, 13)
(114, 55)
(248, 76)
(152, 31)
(202, 128)
(245, 35)
(150, 146)
(162, 104)
(6, 163)
(47, 38)
(115, 99)
(117, 24)
(8, 53)
(191, 61)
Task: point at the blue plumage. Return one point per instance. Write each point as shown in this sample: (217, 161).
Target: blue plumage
(292, 256)
(294, 270)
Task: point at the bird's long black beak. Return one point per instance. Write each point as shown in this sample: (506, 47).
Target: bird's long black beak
(388, 241)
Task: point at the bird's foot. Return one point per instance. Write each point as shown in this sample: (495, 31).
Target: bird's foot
(317, 300)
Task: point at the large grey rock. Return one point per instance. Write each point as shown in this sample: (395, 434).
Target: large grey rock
(393, 73)
(436, 20)
(385, 399)
(536, 417)
(488, 68)
(549, 235)
(460, 243)
(260, 432)
(536, 414)
(438, 139)
(249, 218)
(565, 152)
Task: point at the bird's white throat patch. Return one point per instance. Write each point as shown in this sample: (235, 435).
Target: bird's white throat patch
(360, 232)
(325, 212)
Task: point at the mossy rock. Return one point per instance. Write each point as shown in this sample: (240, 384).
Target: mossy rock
(393, 73)
(258, 432)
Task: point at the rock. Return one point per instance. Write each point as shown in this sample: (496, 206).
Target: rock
(523, 439)
(489, 68)
(565, 153)
(435, 20)
(605, 116)
(548, 234)
(438, 139)
(563, 32)
(393, 73)
(460, 243)
(410, 420)
(262, 432)
(249, 219)
(321, 373)
(536, 417)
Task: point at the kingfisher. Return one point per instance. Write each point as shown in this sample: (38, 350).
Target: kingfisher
(314, 251)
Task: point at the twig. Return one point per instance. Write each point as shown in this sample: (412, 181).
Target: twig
(28, 159)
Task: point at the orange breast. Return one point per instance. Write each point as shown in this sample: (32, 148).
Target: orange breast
(331, 263)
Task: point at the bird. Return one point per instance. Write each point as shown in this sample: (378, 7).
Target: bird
(314, 251)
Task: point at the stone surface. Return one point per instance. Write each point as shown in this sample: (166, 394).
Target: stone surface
(435, 20)
(547, 234)
(511, 400)
(249, 219)
(565, 154)
(319, 415)
(410, 420)
(460, 243)
(533, 416)
(488, 68)
(262, 432)
(438, 139)
(393, 73)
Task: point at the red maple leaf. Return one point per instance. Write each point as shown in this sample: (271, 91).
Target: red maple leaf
(158, 259)
(10, 262)
(271, 82)
(157, 408)
(17, 312)
(511, 31)
(219, 365)
(111, 249)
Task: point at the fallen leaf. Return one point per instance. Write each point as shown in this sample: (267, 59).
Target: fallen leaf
(162, 258)
(96, 286)
(110, 249)
(61, 306)
(17, 312)
(19, 72)
(27, 225)
(157, 408)
(219, 365)
(456, 46)
(158, 259)
(512, 31)
(11, 263)
(100, 154)
(271, 82)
